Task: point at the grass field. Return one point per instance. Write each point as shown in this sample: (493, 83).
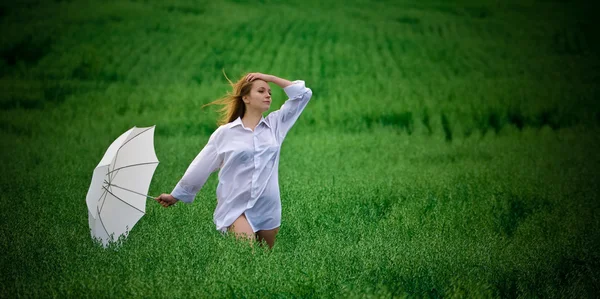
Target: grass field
(450, 149)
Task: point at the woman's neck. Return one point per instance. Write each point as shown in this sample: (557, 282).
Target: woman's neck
(251, 119)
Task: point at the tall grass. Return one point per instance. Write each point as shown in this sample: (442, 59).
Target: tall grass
(449, 150)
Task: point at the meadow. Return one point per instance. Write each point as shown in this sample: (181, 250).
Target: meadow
(450, 148)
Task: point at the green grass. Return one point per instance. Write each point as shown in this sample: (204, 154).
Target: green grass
(449, 150)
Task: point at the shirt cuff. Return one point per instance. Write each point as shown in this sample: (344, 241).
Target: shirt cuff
(295, 89)
(181, 195)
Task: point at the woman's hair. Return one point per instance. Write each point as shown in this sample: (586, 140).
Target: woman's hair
(233, 105)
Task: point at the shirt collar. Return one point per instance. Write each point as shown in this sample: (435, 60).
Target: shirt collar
(238, 121)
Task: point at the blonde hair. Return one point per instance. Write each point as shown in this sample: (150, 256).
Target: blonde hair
(233, 105)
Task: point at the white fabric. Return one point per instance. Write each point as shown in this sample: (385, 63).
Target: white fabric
(115, 199)
(248, 162)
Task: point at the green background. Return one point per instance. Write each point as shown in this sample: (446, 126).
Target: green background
(450, 148)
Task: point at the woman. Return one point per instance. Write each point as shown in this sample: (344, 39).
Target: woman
(245, 147)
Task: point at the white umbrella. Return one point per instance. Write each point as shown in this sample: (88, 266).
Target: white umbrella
(116, 199)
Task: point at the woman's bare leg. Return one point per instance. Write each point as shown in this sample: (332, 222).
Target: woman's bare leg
(242, 229)
(268, 236)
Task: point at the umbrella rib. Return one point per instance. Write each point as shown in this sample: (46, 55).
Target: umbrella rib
(105, 193)
(132, 165)
(102, 222)
(113, 177)
(123, 201)
(138, 134)
(153, 197)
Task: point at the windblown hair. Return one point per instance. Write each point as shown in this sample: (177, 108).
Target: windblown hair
(233, 105)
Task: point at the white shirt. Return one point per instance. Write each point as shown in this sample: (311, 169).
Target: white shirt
(248, 162)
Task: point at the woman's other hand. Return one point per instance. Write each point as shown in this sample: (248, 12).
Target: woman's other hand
(166, 200)
(264, 77)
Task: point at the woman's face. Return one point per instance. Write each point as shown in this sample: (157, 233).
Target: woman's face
(260, 96)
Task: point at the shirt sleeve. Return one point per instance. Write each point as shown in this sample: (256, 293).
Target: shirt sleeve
(205, 163)
(298, 97)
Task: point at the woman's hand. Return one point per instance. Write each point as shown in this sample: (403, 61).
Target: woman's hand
(166, 200)
(253, 76)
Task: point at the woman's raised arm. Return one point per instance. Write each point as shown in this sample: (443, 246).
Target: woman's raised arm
(298, 96)
(283, 83)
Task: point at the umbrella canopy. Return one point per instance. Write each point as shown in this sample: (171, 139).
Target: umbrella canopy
(116, 199)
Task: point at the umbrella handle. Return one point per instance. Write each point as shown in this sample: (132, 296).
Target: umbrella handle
(130, 190)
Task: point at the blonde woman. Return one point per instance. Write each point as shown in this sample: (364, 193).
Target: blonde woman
(245, 148)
